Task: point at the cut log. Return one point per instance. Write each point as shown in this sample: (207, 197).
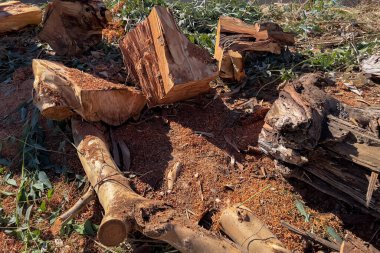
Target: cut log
(239, 223)
(15, 15)
(126, 211)
(73, 26)
(337, 143)
(166, 65)
(61, 92)
(235, 38)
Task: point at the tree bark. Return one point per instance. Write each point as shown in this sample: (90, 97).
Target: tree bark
(71, 27)
(337, 143)
(61, 92)
(166, 65)
(126, 211)
(15, 15)
(235, 38)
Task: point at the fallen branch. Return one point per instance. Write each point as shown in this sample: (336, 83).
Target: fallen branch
(239, 223)
(126, 211)
(311, 236)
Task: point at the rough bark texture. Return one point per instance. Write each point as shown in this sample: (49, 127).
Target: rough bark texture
(125, 211)
(371, 66)
(61, 92)
(15, 15)
(239, 223)
(73, 26)
(234, 38)
(331, 141)
(166, 65)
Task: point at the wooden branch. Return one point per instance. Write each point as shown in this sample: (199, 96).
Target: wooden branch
(74, 210)
(61, 92)
(125, 211)
(335, 142)
(71, 27)
(166, 65)
(15, 15)
(311, 236)
(235, 38)
(239, 223)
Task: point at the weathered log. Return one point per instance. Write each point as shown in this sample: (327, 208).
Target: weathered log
(71, 27)
(335, 142)
(371, 66)
(234, 38)
(61, 92)
(15, 15)
(352, 244)
(239, 223)
(166, 65)
(126, 211)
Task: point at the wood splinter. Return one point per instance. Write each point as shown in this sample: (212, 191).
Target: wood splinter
(74, 210)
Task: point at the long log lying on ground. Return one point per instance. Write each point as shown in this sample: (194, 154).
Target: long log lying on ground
(61, 92)
(15, 15)
(332, 141)
(73, 26)
(126, 211)
(234, 38)
(166, 65)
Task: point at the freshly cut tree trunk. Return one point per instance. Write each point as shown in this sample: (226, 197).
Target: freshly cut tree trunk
(332, 141)
(73, 26)
(234, 37)
(126, 211)
(166, 65)
(239, 223)
(61, 92)
(15, 15)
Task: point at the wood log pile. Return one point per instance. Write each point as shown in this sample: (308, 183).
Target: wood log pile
(235, 38)
(326, 143)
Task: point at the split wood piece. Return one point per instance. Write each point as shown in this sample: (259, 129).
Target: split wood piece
(60, 92)
(311, 236)
(126, 211)
(336, 142)
(74, 210)
(71, 27)
(15, 15)
(234, 38)
(239, 223)
(166, 65)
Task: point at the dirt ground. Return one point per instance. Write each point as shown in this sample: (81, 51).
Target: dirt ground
(203, 134)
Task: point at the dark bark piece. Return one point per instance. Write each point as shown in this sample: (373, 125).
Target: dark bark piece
(166, 65)
(335, 142)
(61, 92)
(15, 15)
(239, 37)
(71, 27)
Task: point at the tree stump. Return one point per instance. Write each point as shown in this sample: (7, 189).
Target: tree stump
(329, 140)
(71, 27)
